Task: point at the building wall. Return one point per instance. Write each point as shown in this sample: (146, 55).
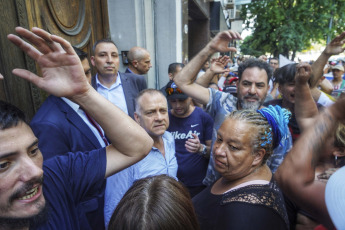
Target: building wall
(152, 24)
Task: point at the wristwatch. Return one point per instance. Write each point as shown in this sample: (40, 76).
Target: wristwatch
(203, 151)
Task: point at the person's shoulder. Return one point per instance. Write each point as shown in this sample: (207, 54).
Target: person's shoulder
(167, 135)
(73, 161)
(132, 76)
(51, 107)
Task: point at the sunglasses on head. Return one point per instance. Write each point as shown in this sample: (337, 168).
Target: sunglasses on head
(170, 91)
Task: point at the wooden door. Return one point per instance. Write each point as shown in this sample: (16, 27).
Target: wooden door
(81, 22)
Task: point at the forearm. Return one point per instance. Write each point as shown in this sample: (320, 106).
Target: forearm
(190, 71)
(205, 79)
(305, 106)
(114, 122)
(317, 68)
(298, 168)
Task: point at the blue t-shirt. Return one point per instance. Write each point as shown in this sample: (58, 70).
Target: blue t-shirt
(69, 180)
(191, 166)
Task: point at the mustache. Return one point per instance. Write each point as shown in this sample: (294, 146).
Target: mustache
(26, 187)
(251, 97)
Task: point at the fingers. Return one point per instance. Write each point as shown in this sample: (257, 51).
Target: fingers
(303, 72)
(339, 38)
(35, 40)
(234, 35)
(27, 75)
(47, 37)
(192, 147)
(26, 47)
(64, 44)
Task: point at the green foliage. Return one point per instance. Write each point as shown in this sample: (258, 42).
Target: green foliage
(285, 26)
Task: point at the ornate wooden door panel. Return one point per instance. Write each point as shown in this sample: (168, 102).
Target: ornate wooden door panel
(81, 22)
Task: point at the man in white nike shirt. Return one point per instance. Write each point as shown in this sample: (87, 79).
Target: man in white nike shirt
(192, 129)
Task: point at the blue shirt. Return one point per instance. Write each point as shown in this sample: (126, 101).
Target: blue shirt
(114, 94)
(153, 164)
(70, 180)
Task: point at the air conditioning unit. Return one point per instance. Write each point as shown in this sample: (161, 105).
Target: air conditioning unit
(229, 4)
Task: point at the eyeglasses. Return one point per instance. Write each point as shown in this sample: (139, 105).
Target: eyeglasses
(170, 91)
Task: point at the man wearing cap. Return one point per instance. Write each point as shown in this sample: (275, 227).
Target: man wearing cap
(192, 129)
(337, 81)
(151, 112)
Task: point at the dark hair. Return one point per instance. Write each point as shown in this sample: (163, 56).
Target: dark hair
(173, 66)
(81, 54)
(10, 115)
(273, 58)
(105, 40)
(158, 202)
(254, 62)
(285, 74)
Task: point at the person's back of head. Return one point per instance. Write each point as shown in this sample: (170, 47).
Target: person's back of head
(158, 202)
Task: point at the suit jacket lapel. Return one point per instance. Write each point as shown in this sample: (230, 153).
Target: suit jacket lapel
(126, 90)
(79, 124)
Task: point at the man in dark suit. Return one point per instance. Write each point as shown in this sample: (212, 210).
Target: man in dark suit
(119, 88)
(62, 126)
(139, 61)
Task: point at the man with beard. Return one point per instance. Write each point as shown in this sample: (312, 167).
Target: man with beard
(120, 89)
(68, 179)
(252, 88)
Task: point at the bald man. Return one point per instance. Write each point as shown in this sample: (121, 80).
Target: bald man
(139, 61)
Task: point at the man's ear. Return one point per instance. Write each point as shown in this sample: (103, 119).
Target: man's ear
(171, 76)
(93, 60)
(259, 156)
(135, 63)
(137, 117)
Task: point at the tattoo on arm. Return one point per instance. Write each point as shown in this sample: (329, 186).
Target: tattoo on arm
(321, 131)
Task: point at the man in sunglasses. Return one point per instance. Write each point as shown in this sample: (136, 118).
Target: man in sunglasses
(191, 128)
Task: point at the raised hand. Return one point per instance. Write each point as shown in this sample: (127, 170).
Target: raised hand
(62, 72)
(221, 41)
(303, 73)
(336, 45)
(218, 64)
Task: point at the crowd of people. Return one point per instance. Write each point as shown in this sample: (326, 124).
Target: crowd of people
(251, 145)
